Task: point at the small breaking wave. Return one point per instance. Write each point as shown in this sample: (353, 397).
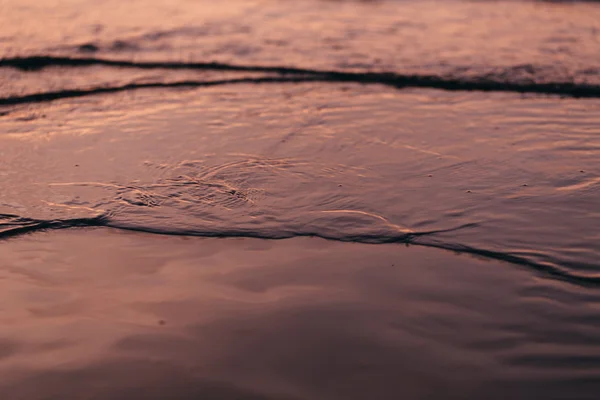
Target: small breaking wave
(74, 93)
(489, 82)
(14, 225)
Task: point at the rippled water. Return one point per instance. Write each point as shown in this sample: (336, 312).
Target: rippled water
(466, 126)
(499, 175)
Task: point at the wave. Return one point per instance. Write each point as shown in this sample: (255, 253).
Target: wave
(73, 93)
(14, 225)
(280, 74)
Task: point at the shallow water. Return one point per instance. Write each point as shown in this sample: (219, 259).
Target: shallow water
(105, 315)
(513, 43)
(466, 126)
(493, 174)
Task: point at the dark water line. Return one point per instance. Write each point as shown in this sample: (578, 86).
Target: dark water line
(546, 269)
(399, 81)
(407, 239)
(36, 63)
(73, 93)
(17, 226)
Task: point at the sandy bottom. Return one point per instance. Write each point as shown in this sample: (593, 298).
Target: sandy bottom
(102, 314)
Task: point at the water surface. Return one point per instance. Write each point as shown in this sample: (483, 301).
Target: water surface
(465, 126)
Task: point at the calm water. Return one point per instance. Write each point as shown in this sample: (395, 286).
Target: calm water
(466, 126)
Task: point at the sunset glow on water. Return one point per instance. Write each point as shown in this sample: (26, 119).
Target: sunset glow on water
(299, 199)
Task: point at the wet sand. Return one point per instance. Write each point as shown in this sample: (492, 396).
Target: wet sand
(102, 314)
